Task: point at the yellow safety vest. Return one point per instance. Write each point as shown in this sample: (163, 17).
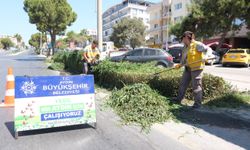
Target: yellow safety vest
(195, 58)
(91, 53)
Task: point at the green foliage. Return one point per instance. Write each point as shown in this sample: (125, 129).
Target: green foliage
(35, 40)
(56, 66)
(18, 37)
(212, 17)
(60, 57)
(61, 44)
(6, 43)
(128, 31)
(71, 60)
(139, 104)
(111, 74)
(51, 16)
(78, 37)
(231, 100)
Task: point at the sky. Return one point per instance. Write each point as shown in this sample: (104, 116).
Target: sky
(13, 19)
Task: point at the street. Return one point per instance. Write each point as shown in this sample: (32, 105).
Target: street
(109, 135)
(236, 75)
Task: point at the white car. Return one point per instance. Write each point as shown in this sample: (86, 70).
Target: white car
(212, 54)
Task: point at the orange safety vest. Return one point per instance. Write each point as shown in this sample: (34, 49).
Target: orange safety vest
(195, 58)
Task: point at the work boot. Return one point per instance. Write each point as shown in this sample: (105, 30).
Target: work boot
(196, 106)
(175, 100)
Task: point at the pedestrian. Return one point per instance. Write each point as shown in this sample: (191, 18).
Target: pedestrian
(91, 55)
(193, 61)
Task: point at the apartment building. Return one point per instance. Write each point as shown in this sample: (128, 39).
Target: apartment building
(127, 8)
(179, 9)
(162, 15)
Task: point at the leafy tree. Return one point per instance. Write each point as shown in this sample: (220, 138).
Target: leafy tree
(213, 17)
(35, 40)
(78, 37)
(18, 37)
(246, 16)
(51, 16)
(61, 44)
(128, 31)
(84, 35)
(72, 37)
(6, 43)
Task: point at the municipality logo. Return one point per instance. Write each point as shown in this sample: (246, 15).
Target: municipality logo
(28, 87)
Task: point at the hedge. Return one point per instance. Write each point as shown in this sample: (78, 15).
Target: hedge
(70, 59)
(111, 74)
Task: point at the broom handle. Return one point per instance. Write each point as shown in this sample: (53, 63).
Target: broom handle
(189, 64)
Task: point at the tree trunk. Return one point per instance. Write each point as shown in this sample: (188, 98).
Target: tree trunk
(221, 41)
(53, 41)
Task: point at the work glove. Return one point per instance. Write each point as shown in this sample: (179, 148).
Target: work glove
(178, 66)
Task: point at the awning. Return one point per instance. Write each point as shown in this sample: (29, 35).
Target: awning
(215, 44)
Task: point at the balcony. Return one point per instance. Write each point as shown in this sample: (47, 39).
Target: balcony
(165, 27)
(155, 29)
(166, 15)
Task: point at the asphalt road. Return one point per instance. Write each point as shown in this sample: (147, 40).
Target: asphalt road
(236, 75)
(109, 135)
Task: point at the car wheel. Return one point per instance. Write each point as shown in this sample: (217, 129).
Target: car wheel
(247, 65)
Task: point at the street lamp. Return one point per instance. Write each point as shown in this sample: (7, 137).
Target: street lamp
(99, 24)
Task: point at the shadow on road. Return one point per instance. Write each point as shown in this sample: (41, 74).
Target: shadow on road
(10, 126)
(207, 120)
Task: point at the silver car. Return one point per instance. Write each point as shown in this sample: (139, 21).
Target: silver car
(142, 55)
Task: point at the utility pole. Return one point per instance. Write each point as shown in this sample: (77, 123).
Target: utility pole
(99, 24)
(168, 20)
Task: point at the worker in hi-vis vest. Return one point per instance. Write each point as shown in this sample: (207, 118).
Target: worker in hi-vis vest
(193, 61)
(91, 55)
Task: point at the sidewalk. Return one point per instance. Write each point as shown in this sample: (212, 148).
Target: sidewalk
(209, 129)
(204, 129)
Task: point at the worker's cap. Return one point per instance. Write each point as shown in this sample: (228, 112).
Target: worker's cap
(188, 34)
(95, 42)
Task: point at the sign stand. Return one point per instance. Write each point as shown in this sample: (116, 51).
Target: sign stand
(44, 102)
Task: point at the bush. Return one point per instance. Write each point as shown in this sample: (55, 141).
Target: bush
(71, 60)
(57, 66)
(141, 105)
(231, 100)
(111, 74)
(60, 57)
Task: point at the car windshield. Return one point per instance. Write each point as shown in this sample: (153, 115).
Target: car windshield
(236, 51)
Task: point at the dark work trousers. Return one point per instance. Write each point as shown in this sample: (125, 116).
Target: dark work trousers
(86, 68)
(196, 78)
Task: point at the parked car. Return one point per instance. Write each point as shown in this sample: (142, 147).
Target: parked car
(162, 58)
(212, 54)
(237, 57)
(176, 51)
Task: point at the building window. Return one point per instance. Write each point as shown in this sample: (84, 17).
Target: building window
(134, 11)
(178, 6)
(156, 25)
(106, 33)
(140, 12)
